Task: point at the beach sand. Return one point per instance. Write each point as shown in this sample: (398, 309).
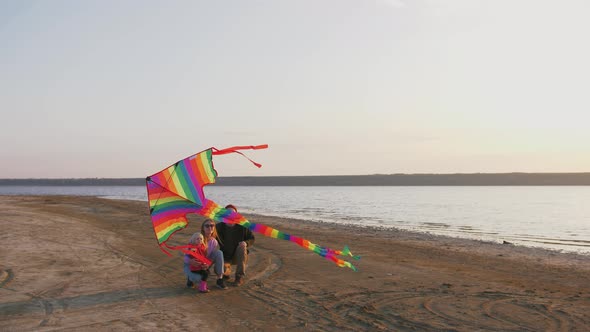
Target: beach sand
(83, 263)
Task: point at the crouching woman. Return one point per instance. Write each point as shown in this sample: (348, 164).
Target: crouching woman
(209, 234)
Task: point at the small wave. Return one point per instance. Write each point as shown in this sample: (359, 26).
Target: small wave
(563, 242)
(436, 224)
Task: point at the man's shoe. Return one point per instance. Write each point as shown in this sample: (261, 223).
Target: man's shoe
(189, 283)
(239, 281)
(221, 284)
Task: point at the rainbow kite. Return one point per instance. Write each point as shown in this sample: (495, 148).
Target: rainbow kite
(178, 190)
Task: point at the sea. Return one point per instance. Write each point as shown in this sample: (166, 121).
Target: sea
(552, 217)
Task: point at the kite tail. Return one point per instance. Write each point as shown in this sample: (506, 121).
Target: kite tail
(341, 263)
(215, 212)
(346, 252)
(162, 245)
(186, 249)
(197, 256)
(234, 149)
(325, 252)
(181, 248)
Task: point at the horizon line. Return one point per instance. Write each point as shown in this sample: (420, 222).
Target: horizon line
(276, 176)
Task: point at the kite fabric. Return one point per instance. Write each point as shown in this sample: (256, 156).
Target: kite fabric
(178, 190)
(200, 258)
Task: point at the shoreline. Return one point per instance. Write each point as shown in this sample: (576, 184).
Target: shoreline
(456, 243)
(575, 239)
(425, 235)
(82, 262)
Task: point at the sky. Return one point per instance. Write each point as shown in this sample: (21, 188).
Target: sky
(118, 89)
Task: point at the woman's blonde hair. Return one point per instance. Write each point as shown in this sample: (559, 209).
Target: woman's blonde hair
(213, 233)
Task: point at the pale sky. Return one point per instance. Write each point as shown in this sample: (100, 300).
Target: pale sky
(335, 87)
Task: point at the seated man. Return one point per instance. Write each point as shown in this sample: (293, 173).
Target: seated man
(234, 241)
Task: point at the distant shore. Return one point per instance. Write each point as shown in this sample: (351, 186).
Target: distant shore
(459, 179)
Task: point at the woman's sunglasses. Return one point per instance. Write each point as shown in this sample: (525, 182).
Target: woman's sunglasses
(210, 225)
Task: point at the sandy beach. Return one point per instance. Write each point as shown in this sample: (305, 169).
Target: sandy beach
(83, 263)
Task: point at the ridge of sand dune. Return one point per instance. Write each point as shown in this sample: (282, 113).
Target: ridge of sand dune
(83, 263)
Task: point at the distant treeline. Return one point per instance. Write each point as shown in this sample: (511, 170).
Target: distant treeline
(475, 179)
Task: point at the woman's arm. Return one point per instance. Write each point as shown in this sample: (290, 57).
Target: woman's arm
(212, 246)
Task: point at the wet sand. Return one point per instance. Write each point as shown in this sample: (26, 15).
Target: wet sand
(83, 263)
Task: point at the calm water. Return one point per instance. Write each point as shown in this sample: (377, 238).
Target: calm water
(551, 217)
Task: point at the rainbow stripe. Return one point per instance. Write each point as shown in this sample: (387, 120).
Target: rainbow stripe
(215, 212)
(178, 190)
(322, 251)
